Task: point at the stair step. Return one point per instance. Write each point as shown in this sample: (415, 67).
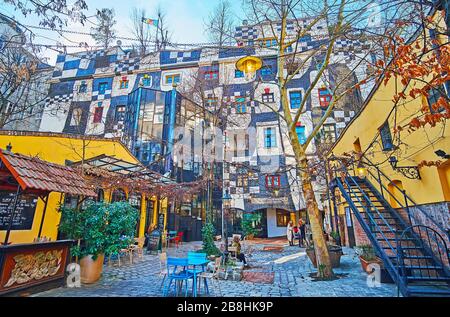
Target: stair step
(428, 290)
(419, 267)
(428, 278)
(414, 257)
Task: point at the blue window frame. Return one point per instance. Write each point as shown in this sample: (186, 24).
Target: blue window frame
(296, 99)
(266, 70)
(238, 73)
(241, 105)
(102, 87)
(171, 79)
(147, 81)
(300, 130)
(270, 140)
(386, 137)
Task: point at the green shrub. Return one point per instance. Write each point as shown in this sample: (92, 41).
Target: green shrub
(100, 227)
(209, 246)
(248, 220)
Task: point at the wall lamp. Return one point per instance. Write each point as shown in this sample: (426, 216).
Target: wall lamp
(411, 172)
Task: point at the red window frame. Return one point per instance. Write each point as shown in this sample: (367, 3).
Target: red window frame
(98, 113)
(324, 97)
(273, 181)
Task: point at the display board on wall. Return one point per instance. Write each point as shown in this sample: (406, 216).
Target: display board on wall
(24, 212)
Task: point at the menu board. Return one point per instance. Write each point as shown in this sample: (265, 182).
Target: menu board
(154, 240)
(24, 213)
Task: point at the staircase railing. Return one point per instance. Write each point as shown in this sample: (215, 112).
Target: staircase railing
(408, 202)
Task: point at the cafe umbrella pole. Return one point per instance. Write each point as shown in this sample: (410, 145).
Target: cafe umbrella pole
(11, 218)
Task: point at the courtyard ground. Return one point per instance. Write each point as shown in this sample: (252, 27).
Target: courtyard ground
(288, 265)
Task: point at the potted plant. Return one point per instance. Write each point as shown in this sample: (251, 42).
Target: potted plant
(367, 256)
(335, 236)
(335, 252)
(99, 229)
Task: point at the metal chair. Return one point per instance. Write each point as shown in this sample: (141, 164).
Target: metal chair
(177, 275)
(162, 267)
(195, 256)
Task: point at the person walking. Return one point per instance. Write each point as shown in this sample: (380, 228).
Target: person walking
(290, 233)
(302, 232)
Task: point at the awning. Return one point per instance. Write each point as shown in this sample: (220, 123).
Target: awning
(34, 174)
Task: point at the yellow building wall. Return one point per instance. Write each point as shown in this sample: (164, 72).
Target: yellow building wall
(416, 145)
(58, 149)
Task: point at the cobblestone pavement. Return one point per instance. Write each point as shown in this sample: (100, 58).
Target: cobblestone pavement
(291, 267)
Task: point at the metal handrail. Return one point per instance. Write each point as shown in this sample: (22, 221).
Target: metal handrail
(380, 172)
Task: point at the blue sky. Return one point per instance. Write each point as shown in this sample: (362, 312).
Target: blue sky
(184, 16)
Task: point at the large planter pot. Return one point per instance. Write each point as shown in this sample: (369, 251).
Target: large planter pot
(365, 263)
(91, 270)
(335, 256)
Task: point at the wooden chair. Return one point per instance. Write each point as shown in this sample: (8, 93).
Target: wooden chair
(214, 275)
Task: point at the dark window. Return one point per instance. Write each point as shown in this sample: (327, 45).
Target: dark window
(98, 113)
(329, 133)
(120, 113)
(386, 137)
(83, 87)
(266, 70)
(283, 218)
(118, 195)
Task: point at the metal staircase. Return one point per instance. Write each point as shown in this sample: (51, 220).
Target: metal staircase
(415, 255)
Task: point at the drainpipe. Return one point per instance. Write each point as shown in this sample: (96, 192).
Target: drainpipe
(171, 127)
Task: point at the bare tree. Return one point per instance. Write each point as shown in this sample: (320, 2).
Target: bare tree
(220, 24)
(163, 36)
(104, 33)
(141, 31)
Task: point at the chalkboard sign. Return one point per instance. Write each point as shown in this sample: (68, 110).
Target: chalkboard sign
(24, 213)
(161, 222)
(154, 241)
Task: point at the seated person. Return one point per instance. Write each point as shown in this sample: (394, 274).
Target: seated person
(240, 256)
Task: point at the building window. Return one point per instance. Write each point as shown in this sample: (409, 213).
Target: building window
(306, 38)
(173, 79)
(212, 101)
(268, 97)
(76, 116)
(266, 70)
(147, 81)
(270, 140)
(433, 96)
(300, 130)
(102, 88)
(329, 132)
(238, 73)
(120, 113)
(296, 99)
(98, 113)
(324, 97)
(214, 74)
(124, 83)
(242, 180)
(273, 182)
(83, 87)
(386, 137)
(267, 42)
(241, 105)
(283, 218)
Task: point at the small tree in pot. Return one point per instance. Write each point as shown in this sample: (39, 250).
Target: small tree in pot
(367, 256)
(100, 229)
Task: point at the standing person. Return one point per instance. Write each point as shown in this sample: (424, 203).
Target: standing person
(290, 233)
(302, 235)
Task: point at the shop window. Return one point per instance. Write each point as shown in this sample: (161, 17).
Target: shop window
(273, 181)
(324, 97)
(124, 83)
(238, 73)
(300, 130)
(83, 87)
(296, 99)
(118, 195)
(173, 79)
(386, 137)
(76, 116)
(102, 87)
(283, 218)
(270, 140)
(98, 113)
(120, 113)
(268, 97)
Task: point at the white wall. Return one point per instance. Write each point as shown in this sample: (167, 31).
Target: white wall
(272, 229)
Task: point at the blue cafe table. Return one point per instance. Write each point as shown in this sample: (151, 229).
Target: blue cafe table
(197, 263)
